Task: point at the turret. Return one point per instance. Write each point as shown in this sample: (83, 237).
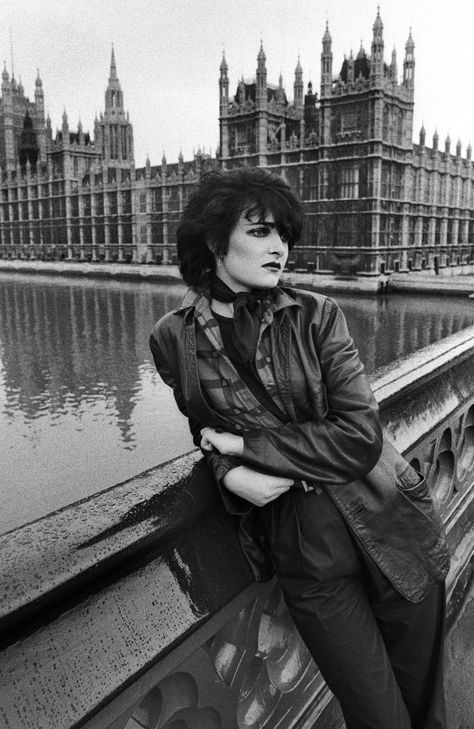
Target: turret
(326, 64)
(223, 86)
(280, 94)
(241, 92)
(65, 128)
(5, 79)
(409, 63)
(298, 86)
(376, 59)
(422, 136)
(394, 67)
(435, 140)
(261, 92)
(350, 69)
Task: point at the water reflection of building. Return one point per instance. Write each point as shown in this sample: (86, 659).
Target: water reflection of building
(375, 201)
(65, 344)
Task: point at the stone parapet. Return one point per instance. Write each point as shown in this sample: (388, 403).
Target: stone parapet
(134, 608)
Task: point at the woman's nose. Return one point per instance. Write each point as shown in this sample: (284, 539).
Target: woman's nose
(277, 245)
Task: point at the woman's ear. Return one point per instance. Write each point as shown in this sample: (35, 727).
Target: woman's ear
(212, 245)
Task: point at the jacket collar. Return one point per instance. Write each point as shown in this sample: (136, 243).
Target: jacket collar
(198, 299)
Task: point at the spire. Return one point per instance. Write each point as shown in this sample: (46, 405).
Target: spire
(393, 67)
(223, 67)
(38, 82)
(65, 128)
(113, 94)
(435, 140)
(113, 67)
(326, 64)
(223, 86)
(327, 36)
(409, 63)
(378, 25)
(11, 51)
(298, 86)
(422, 135)
(376, 59)
(261, 91)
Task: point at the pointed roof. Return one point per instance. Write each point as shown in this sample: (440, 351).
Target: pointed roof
(378, 25)
(327, 36)
(113, 67)
(261, 58)
(410, 46)
(224, 66)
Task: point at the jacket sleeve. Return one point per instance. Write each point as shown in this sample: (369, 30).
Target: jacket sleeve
(220, 465)
(347, 442)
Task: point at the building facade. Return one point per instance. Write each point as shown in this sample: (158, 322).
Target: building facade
(376, 202)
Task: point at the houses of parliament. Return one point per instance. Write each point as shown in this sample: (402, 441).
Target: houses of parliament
(375, 201)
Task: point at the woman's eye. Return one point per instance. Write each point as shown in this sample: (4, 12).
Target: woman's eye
(261, 231)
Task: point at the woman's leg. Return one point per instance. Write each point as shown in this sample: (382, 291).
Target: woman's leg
(325, 589)
(414, 637)
(338, 625)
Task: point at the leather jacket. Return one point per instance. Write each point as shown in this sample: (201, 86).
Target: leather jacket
(333, 439)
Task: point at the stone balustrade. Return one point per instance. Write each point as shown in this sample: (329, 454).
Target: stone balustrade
(134, 609)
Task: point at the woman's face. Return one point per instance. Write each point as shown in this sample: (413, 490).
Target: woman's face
(256, 255)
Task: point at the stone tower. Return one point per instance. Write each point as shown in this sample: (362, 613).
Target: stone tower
(258, 122)
(113, 130)
(22, 124)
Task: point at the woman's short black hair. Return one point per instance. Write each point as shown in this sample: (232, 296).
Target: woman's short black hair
(215, 207)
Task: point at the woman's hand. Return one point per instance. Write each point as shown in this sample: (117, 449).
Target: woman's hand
(258, 488)
(226, 443)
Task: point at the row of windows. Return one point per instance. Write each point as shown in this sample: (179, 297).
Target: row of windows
(356, 230)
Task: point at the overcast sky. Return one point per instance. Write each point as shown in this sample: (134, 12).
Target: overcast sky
(168, 54)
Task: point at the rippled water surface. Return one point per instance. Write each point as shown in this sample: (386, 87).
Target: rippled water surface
(81, 405)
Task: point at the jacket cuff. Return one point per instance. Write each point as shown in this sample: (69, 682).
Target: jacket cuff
(221, 465)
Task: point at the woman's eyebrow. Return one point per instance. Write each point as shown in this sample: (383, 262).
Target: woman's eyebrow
(268, 223)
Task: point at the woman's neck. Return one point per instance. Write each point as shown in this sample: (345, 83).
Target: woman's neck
(223, 309)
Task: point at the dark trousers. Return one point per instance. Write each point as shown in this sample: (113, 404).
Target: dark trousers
(380, 654)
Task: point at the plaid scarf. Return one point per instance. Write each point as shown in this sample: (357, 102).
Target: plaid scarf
(221, 384)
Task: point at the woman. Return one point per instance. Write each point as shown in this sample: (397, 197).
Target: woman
(277, 399)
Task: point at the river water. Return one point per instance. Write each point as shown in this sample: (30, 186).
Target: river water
(81, 405)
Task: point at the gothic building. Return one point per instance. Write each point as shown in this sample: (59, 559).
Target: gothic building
(376, 202)
(79, 197)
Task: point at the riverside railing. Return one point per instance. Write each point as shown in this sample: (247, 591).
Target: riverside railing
(134, 608)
